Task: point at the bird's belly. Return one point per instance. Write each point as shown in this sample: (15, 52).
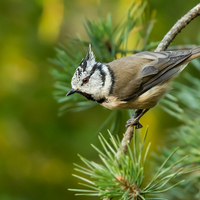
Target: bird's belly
(113, 103)
(145, 101)
(137, 103)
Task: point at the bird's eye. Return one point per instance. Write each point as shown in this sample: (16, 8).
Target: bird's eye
(85, 80)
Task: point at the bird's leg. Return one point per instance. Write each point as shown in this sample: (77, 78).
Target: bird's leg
(134, 121)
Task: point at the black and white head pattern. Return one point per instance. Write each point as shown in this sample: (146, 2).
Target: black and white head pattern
(92, 79)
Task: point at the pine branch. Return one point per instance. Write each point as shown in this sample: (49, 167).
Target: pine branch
(126, 140)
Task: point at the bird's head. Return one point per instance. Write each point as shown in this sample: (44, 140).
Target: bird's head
(91, 79)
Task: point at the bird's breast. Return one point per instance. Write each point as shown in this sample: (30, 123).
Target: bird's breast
(114, 103)
(145, 101)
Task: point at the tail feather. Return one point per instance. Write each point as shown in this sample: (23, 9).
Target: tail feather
(195, 54)
(195, 50)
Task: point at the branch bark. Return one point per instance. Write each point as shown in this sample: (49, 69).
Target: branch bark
(126, 140)
(168, 38)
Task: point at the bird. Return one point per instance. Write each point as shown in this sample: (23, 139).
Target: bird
(137, 81)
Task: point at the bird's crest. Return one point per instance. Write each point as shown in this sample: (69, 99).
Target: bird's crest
(89, 60)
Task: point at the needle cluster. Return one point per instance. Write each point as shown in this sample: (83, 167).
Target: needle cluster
(123, 176)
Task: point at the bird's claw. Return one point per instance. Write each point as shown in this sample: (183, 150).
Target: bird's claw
(134, 122)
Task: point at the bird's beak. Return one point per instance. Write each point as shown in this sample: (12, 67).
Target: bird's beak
(72, 91)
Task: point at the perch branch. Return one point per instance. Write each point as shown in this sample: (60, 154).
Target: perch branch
(168, 38)
(126, 140)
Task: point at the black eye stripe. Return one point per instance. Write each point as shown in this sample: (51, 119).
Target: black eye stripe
(93, 70)
(98, 66)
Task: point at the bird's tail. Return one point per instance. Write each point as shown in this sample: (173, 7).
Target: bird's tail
(195, 53)
(196, 50)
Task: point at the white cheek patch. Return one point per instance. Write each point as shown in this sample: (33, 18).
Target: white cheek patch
(94, 85)
(77, 80)
(95, 80)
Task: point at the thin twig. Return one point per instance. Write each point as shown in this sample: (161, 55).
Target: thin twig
(180, 24)
(126, 140)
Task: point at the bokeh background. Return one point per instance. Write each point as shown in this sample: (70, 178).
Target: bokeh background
(38, 148)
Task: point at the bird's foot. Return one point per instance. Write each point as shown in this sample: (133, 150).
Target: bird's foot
(134, 122)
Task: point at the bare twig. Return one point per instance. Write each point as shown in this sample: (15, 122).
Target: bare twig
(126, 140)
(180, 24)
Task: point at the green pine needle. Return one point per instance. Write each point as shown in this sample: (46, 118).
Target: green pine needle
(123, 176)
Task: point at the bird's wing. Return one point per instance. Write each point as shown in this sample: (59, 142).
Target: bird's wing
(138, 73)
(125, 76)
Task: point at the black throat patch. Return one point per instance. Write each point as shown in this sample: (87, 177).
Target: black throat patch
(89, 97)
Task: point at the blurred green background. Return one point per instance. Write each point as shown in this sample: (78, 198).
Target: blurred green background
(38, 148)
